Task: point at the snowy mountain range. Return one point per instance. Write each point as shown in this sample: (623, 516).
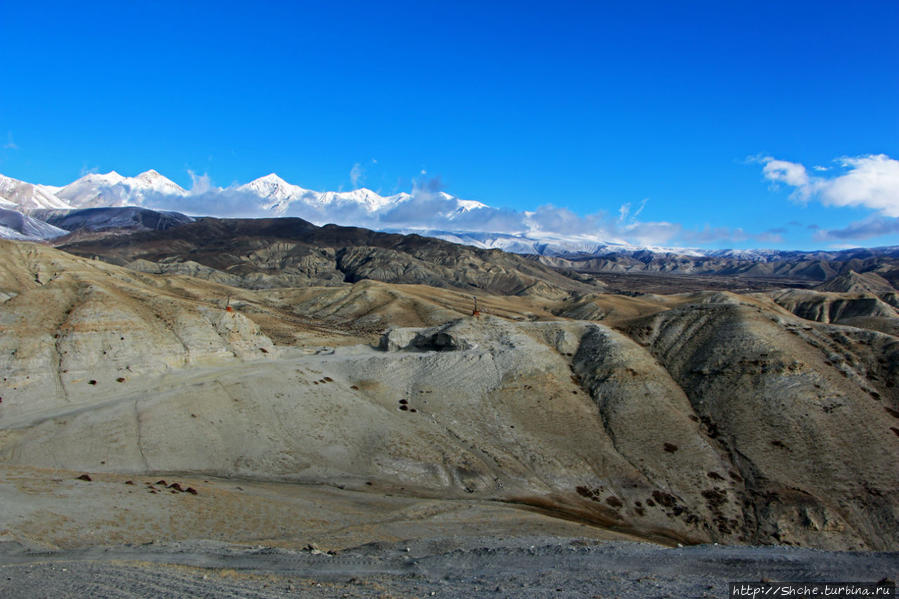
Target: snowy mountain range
(90, 191)
(277, 195)
(114, 190)
(428, 212)
(25, 197)
(268, 196)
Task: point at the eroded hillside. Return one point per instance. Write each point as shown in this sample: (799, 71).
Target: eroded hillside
(693, 418)
(290, 252)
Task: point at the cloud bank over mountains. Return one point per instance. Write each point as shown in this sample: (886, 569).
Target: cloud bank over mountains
(870, 182)
(426, 209)
(866, 182)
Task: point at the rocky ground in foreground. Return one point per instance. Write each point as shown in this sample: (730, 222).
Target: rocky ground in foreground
(526, 567)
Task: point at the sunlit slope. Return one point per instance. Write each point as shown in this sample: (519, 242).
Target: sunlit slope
(805, 412)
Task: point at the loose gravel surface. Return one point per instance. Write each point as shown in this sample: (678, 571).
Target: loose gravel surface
(446, 567)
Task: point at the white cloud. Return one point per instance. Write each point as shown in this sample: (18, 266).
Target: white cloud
(642, 206)
(10, 143)
(357, 175)
(781, 171)
(867, 181)
(199, 184)
(624, 211)
(872, 181)
(428, 208)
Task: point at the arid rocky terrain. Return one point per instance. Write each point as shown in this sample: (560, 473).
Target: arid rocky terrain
(291, 252)
(297, 385)
(782, 266)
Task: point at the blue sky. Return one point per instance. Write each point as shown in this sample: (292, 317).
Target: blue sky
(705, 110)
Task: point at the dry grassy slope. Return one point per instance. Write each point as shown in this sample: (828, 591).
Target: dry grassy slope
(704, 417)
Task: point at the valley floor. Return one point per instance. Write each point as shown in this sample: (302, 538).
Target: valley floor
(444, 566)
(125, 536)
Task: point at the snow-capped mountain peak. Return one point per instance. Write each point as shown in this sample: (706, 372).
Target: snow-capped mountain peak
(364, 197)
(271, 184)
(27, 197)
(110, 178)
(152, 180)
(426, 211)
(267, 195)
(272, 178)
(467, 205)
(276, 193)
(96, 190)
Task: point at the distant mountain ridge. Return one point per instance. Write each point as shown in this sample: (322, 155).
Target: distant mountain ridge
(21, 227)
(25, 197)
(274, 195)
(99, 206)
(267, 196)
(290, 252)
(277, 195)
(461, 221)
(114, 190)
(123, 219)
(820, 266)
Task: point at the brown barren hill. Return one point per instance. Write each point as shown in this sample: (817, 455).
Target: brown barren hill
(704, 417)
(290, 252)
